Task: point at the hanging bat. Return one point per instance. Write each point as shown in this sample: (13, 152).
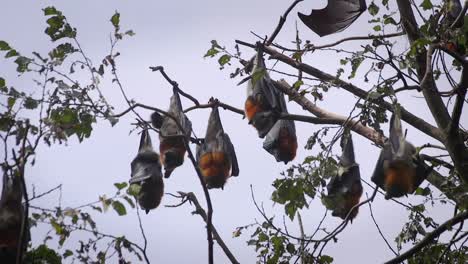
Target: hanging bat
(11, 215)
(345, 189)
(146, 173)
(281, 141)
(337, 16)
(262, 107)
(216, 156)
(399, 170)
(172, 147)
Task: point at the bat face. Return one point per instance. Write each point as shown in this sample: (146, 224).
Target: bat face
(399, 171)
(337, 16)
(345, 189)
(11, 214)
(146, 172)
(216, 157)
(261, 106)
(172, 147)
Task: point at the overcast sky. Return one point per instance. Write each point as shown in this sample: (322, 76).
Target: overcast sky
(176, 34)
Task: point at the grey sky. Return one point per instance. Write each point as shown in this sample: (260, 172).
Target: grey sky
(176, 34)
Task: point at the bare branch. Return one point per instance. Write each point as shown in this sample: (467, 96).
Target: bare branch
(281, 22)
(174, 84)
(200, 211)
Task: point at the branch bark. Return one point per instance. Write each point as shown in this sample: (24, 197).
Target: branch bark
(408, 117)
(452, 138)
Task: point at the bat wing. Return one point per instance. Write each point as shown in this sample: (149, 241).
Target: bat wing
(271, 140)
(337, 16)
(378, 177)
(232, 153)
(347, 158)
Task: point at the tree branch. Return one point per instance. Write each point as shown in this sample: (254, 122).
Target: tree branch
(429, 238)
(408, 117)
(453, 141)
(200, 211)
(281, 22)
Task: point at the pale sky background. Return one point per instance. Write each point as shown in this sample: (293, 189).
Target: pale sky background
(176, 34)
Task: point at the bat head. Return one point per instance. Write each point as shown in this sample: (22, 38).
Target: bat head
(156, 120)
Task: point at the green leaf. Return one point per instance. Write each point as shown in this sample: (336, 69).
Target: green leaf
(211, 53)
(130, 33)
(11, 102)
(4, 45)
(423, 191)
(324, 259)
(30, 103)
(67, 253)
(426, 4)
(61, 51)
(11, 53)
(377, 28)
(115, 20)
(51, 10)
(129, 201)
(298, 84)
(22, 63)
(121, 185)
(119, 208)
(134, 189)
(224, 60)
(373, 9)
(2, 82)
(257, 75)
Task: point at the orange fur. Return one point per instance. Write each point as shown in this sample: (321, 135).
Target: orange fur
(251, 108)
(351, 201)
(400, 176)
(287, 145)
(215, 168)
(176, 144)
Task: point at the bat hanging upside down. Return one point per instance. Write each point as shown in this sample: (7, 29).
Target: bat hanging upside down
(345, 189)
(262, 106)
(281, 140)
(216, 156)
(146, 173)
(172, 147)
(399, 170)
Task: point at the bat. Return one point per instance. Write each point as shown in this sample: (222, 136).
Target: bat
(172, 147)
(335, 17)
(146, 173)
(281, 140)
(216, 156)
(11, 215)
(399, 170)
(344, 189)
(262, 106)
